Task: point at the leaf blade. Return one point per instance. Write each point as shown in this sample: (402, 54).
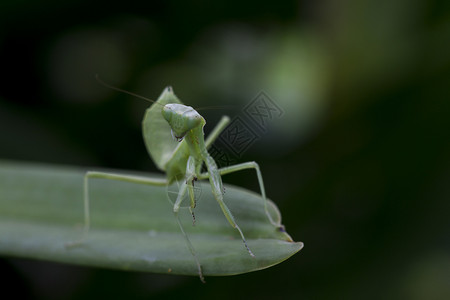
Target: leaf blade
(132, 225)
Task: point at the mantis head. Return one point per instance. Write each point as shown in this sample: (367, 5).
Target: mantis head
(181, 119)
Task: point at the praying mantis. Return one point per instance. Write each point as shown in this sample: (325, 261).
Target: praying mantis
(174, 138)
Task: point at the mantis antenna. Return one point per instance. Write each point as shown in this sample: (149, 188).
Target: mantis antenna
(97, 77)
(124, 91)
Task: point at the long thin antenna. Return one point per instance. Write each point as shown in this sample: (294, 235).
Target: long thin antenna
(216, 107)
(97, 77)
(120, 90)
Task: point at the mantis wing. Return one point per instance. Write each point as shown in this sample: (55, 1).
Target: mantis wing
(157, 132)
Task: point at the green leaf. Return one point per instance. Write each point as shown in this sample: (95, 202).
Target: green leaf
(132, 225)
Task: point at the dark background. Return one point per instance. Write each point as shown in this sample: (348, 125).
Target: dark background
(359, 163)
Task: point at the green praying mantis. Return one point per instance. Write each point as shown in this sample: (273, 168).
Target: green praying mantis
(174, 138)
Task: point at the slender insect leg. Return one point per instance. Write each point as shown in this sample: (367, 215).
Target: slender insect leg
(180, 197)
(191, 193)
(226, 211)
(191, 248)
(113, 176)
(176, 206)
(138, 180)
(110, 176)
(188, 184)
(176, 209)
(244, 166)
(217, 131)
(190, 177)
(217, 190)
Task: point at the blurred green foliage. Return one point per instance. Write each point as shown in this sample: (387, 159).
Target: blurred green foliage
(359, 164)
